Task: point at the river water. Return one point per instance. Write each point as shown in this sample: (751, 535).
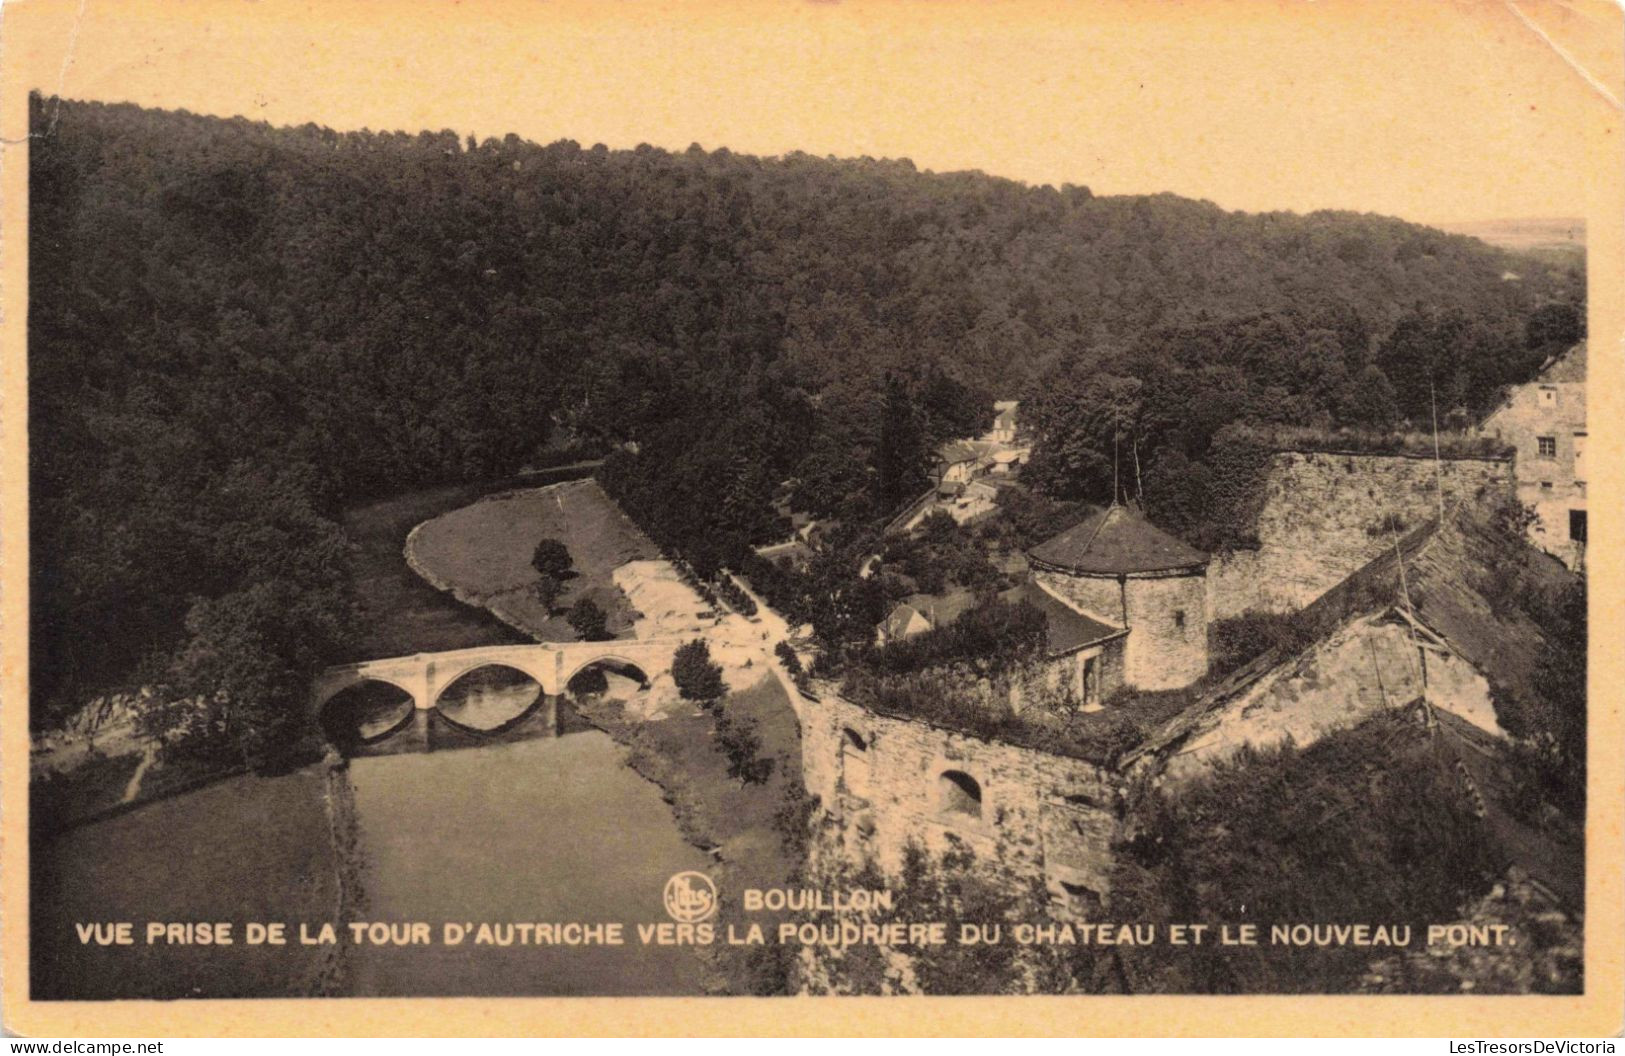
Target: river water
(543, 823)
(545, 830)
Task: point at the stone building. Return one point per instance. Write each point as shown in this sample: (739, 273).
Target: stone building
(1118, 569)
(1082, 655)
(1004, 422)
(886, 782)
(1545, 420)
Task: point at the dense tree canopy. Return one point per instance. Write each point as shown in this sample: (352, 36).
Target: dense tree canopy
(234, 328)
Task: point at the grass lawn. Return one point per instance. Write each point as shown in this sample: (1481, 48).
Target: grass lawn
(244, 849)
(482, 552)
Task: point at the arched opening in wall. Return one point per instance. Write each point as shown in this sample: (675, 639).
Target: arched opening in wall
(855, 762)
(959, 793)
(610, 677)
(489, 699)
(1080, 898)
(366, 713)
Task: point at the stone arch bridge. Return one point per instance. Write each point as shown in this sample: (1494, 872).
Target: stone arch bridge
(424, 676)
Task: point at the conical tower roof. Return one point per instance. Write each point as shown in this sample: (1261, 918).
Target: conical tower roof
(1117, 541)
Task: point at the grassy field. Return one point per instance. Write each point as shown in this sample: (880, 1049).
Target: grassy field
(482, 551)
(244, 849)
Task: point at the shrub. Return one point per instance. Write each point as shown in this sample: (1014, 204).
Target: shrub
(589, 620)
(548, 589)
(993, 636)
(697, 677)
(1388, 524)
(1366, 824)
(1238, 640)
(551, 559)
(742, 747)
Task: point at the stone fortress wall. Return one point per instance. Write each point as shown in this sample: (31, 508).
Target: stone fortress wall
(885, 782)
(1323, 519)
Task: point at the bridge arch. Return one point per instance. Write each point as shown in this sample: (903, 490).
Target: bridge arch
(490, 697)
(609, 663)
(365, 710)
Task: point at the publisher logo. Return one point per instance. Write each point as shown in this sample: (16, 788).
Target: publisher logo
(690, 897)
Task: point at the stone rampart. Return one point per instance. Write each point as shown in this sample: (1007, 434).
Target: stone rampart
(1326, 514)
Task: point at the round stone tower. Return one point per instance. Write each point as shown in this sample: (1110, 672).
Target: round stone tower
(1117, 567)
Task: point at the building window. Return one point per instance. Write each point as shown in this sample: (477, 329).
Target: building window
(1577, 525)
(1091, 680)
(1545, 485)
(1179, 618)
(1548, 396)
(1548, 446)
(959, 793)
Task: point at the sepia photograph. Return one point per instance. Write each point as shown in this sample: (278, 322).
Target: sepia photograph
(759, 500)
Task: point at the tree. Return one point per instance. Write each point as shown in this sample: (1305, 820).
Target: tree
(237, 683)
(743, 748)
(697, 677)
(1085, 427)
(548, 589)
(222, 259)
(551, 559)
(1372, 401)
(902, 454)
(588, 620)
(1365, 824)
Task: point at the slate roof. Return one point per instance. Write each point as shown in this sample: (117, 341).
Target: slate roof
(1450, 582)
(958, 451)
(944, 609)
(1569, 366)
(1069, 629)
(901, 622)
(1447, 578)
(1115, 541)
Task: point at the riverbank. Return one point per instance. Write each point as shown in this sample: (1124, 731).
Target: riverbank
(480, 555)
(241, 849)
(751, 831)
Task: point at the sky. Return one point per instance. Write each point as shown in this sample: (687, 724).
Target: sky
(1434, 110)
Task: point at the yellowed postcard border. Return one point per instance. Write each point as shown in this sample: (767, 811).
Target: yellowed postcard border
(36, 40)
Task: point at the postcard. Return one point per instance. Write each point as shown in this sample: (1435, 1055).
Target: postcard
(673, 518)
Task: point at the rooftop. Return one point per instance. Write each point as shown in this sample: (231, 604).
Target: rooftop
(958, 451)
(1117, 541)
(899, 623)
(1568, 366)
(1068, 628)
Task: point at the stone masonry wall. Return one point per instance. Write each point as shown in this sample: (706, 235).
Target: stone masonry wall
(1099, 596)
(1166, 616)
(1042, 816)
(1323, 519)
(1552, 484)
(1167, 642)
(1368, 665)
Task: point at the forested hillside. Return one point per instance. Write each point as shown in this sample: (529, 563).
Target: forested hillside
(236, 328)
